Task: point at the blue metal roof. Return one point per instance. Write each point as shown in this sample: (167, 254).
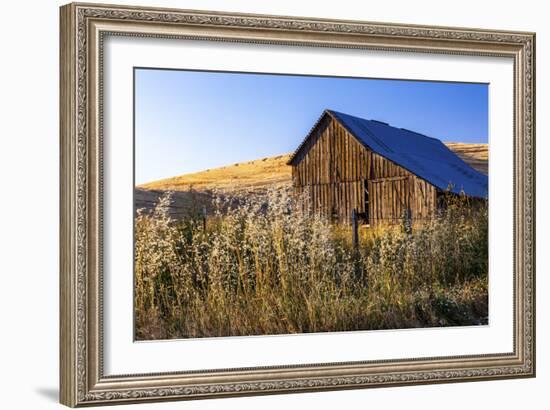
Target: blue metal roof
(426, 157)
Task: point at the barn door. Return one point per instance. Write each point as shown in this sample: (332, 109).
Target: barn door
(387, 199)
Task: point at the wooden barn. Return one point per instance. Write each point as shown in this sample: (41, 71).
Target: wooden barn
(348, 164)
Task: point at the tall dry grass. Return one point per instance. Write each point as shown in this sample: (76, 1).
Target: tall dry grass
(265, 265)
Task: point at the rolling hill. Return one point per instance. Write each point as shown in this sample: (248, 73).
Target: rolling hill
(273, 171)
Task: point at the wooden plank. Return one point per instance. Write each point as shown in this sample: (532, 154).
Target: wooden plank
(308, 168)
(396, 191)
(372, 200)
(319, 161)
(351, 159)
(313, 164)
(360, 166)
(387, 208)
(322, 158)
(358, 196)
(367, 163)
(393, 200)
(348, 202)
(370, 174)
(407, 194)
(403, 188)
(401, 197)
(316, 203)
(355, 157)
(333, 155)
(330, 155)
(418, 197)
(357, 203)
(338, 153)
(316, 165)
(344, 202)
(344, 158)
(369, 188)
(379, 200)
(325, 158)
(327, 200)
(386, 205)
(372, 204)
(387, 200)
(398, 199)
(352, 196)
(336, 158)
(338, 202)
(389, 179)
(347, 156)
(306, 180)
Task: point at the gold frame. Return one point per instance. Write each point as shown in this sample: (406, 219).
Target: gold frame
(83, 28)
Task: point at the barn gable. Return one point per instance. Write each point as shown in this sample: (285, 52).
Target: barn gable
(425, 157)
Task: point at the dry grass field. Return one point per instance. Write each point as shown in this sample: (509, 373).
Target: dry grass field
(272, 172)
(260, 174)
(476, 155)
(268, 267)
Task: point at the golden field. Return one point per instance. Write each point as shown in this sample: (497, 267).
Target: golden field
(267, 266)
(272, 172)
(231, 252)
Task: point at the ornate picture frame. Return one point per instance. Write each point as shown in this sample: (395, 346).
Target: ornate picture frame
(84, 28)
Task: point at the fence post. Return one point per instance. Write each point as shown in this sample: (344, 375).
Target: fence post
(407, 221)
(354, 228)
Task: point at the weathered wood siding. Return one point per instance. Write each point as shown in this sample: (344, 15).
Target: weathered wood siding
(333, 169)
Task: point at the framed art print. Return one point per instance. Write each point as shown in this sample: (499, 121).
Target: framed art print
(263, 204)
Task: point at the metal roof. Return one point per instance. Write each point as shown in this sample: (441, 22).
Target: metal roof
(426, 157)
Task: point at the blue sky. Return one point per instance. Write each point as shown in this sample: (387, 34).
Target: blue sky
(188, 121)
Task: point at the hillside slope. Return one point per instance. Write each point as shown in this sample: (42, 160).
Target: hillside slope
(251, 175)
(476, 155)
(273, 171)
